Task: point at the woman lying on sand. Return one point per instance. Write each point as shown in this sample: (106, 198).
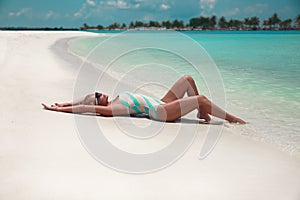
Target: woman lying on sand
(171, 107)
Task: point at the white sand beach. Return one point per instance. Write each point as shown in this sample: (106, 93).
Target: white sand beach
(41, 155)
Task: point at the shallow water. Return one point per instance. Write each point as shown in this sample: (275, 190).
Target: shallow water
(260, 72)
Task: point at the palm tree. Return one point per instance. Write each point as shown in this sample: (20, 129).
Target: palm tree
(286, 24)
(222, 22)
(204, 22)
(139, 24)
(254, 21)
(177, 24)
(274, 20)
(167, 24)
(266, 23)
(100, 27)
(212, 21)
(85, 26)
(131, 25)
(297, 21)
(246, 22)
(123, 26)
(114, 26)
(235, 24)
(195, 22)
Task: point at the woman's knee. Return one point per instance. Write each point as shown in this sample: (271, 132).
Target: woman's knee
(188, 78)
(202, 99)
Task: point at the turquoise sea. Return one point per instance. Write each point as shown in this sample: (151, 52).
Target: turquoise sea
(260, 71)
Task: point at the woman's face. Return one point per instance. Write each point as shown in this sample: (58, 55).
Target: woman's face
(102, 99)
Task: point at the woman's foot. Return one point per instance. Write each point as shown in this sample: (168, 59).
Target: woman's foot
(204, 116)
(237, 120)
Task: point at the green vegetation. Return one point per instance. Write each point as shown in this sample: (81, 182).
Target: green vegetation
(208, 23)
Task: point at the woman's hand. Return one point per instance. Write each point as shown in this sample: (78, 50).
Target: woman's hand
(68, 109)
(52, 107)
(62, 104)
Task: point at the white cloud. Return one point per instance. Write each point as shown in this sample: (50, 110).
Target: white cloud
(164, 6)
(20, 12)
(286, 9)
(121, 4)
(110, 3)
(257, 8)
(230, 12)
(207, 6)
(118, 4)
(91, 2)
(81, 11)
(136, 5)
(49, 14)
(147, 17)
(233, 12)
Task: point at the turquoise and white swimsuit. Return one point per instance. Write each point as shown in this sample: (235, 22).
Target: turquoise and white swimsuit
(141, 103)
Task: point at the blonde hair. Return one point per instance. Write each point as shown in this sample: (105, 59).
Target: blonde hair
(89, 100)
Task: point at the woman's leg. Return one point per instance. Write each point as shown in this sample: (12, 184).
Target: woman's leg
(185, 84)
(175, 109)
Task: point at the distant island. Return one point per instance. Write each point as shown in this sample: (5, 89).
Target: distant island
(39, 29)
(197, 23)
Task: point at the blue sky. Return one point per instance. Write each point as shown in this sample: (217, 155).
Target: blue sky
(73, 13)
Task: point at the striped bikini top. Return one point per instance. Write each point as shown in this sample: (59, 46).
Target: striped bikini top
(138, 101)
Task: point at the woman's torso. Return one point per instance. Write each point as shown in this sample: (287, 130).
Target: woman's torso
(139, 103)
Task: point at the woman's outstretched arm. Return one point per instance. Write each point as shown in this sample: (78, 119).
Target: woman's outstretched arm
(74, 103)
(115, 108)
(102, 110)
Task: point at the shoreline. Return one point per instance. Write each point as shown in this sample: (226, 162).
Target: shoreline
(41, 155)
(249, 131)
